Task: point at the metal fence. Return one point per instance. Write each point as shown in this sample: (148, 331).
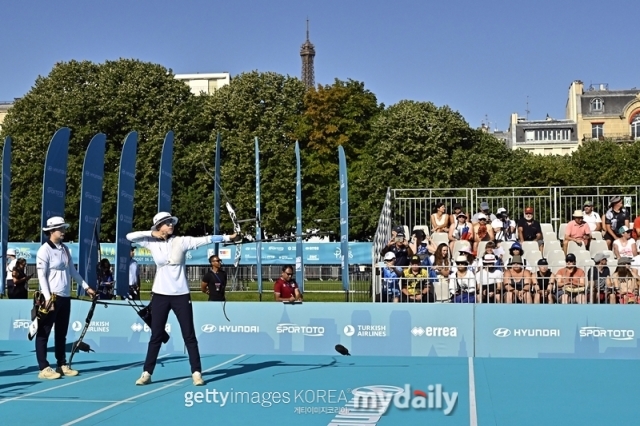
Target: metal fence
(325, 279)
(441, 289)
(554, 205)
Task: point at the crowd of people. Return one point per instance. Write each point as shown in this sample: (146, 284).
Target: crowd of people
(481, 259)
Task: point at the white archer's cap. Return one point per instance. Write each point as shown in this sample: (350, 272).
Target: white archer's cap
(55, 223)
(162, 217)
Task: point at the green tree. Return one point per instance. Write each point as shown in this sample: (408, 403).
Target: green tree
(113, 98)
(335, 115)
(267, 106)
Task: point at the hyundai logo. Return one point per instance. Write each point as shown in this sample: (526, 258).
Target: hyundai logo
(502, 332)
(208, 328)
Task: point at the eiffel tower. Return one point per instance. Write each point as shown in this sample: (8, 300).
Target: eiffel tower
(307, 53)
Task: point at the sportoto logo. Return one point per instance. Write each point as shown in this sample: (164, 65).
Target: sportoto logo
(600, 332)
(21, 323)
(208, 328)
(307, 330)
(76, 326)
(502, 332)
(349, 330)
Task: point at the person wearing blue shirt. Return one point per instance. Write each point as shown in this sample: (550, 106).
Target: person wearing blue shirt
(390, 279)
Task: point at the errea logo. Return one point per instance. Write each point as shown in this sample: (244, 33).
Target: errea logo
(435, 331)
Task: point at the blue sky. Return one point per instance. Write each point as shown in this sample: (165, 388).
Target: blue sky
(482, 59)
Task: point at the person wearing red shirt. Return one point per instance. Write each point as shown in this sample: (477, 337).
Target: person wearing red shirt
(286, 289)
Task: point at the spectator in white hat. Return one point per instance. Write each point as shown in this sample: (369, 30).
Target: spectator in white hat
(391, 275)
(489, 280)
(482, 231)
(462, 283)
(577, 231)
(55, 270)
(171, 288)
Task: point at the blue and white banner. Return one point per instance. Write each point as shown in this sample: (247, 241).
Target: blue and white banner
(258, 227)
(124, 224)
(91, 210)
(299, 251)
(367, 329)
(216, 193)
(558, 331)
(344, 218)
(166, 174)
(272, 254)
(54, 186)
(4, 208)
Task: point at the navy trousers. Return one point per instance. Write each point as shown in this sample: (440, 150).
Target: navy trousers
(60, 318)
(181, 306)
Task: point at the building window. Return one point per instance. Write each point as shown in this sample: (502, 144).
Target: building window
(596, 105)
(635, 127)
(597, 130)
(558, 135)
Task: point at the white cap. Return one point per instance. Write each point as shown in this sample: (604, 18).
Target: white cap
(54, 223)
(389, 256)
(11, 252)
(481, 216)
(161, 217)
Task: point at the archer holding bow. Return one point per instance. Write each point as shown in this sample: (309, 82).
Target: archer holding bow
(171, 289)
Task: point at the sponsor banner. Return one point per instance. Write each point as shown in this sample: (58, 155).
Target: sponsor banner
(578, 331)
(367, 329)
(54, 180)
(272, 254)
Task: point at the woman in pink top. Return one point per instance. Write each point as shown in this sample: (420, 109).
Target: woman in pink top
(625, 246)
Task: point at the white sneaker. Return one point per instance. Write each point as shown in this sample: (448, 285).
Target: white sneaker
(65, 370)
(197, 379)
(48, 373)
(144, 379)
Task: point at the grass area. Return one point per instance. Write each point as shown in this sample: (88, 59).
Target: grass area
(315, 291)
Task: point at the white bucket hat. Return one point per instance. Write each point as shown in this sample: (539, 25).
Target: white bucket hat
(11, 252)
(54, 223)
(161, 217)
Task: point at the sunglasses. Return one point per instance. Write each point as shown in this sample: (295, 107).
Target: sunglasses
(167, 222)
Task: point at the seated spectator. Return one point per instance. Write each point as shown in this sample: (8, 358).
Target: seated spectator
(570, 282)
(442, 265)
(399, 246)
(542, 288)
(591, 217)
(624, 282)
(460, 231)
(577, 231)
(516, 250)
(625, 246)
(503, 227)
(484, 209)
(529, 229)
(453, 217)
(462, 283)
(481, 232)
(420, 244)
(391, 275)
(597, 278)
(489, 248)
(471, 258)
(516, 282)
(614, 219)
(416, 286)
(440, 219)
(489, 280)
